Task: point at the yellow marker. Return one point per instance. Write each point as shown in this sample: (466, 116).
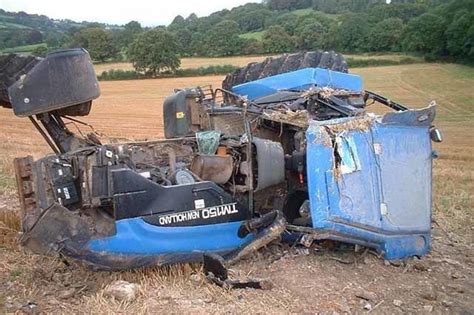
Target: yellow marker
(179, 115)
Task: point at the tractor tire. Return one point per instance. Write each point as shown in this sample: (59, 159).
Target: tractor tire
(285, 63)
(12, 67)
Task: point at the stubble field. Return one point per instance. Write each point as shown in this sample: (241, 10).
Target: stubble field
(441, 282)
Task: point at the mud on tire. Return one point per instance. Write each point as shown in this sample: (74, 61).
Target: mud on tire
(285, 63)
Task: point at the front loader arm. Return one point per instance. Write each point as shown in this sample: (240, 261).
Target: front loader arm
(47, 89)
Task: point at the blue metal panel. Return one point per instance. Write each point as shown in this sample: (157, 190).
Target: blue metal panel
(136, 237)
(299, 80)
(385, 202)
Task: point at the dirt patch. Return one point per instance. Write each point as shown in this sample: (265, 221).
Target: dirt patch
(323, 278)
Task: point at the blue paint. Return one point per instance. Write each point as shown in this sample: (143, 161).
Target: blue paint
(136, 237)
(299, 80)
(386, 202)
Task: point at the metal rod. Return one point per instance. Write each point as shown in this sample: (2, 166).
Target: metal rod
(45, 136)
(385, 101)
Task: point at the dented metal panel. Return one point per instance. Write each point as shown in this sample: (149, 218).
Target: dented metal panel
(380, 196)
(299, 80)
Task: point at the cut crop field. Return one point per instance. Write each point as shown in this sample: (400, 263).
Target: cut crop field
(315, 280)
(239, 61)
(188, 63)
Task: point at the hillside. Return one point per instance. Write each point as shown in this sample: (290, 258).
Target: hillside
(437, 30)
(20, 29)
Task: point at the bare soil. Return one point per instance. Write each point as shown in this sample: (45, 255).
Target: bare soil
(321, 279)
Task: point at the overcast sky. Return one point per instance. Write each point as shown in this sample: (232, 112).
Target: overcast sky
(147, 12)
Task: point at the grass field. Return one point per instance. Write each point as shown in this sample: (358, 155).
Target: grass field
(252, 35)
(239, 61)
(22, 49)
(132, 110)
(187, 63)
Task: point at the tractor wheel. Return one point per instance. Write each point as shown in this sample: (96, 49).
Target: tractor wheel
(12, 67)
(285, 63)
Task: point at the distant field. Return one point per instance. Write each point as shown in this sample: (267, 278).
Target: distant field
(384, 56)
(308, 11)
(239, 61)
(22, 49)
(187, 63)
(252, 35)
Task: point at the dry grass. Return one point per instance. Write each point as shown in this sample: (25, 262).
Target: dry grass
(238, 61)
(188, 63)
(132, 109)
(384, 56)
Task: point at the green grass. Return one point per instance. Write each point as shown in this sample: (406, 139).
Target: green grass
(7, 182)
(252, 35)
(301, 12)
(450, 85)
(378, 62)
(22, 49)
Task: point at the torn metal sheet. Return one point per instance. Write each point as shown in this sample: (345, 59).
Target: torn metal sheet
(382, 195)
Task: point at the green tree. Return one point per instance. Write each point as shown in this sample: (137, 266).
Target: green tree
(458, 40)
(40, 51)
(34, 37)
(311, 30)
(310, 36)
(252, 46)
(223, 39)
(184, 39)
(178, 23)
(97, 41)
(253, 20)
(277, 40)
(288, 21)
(55, 39)
(425, 34)
(154, 51)
(197, 46)
(404, 11)
(385, 35)
(129, 33)
(353, 32)
(280, 5)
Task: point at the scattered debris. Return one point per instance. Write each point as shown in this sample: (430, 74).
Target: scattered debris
(298, 118)
(217, 273)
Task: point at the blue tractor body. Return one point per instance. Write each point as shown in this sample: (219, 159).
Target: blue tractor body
(294, 152)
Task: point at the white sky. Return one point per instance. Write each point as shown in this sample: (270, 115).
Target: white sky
(147, 12)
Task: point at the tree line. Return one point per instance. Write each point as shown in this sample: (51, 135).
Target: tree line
(431, 28)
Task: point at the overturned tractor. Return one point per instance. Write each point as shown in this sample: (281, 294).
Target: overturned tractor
(285, 147)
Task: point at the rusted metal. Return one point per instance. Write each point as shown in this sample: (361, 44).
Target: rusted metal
(213, 167)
